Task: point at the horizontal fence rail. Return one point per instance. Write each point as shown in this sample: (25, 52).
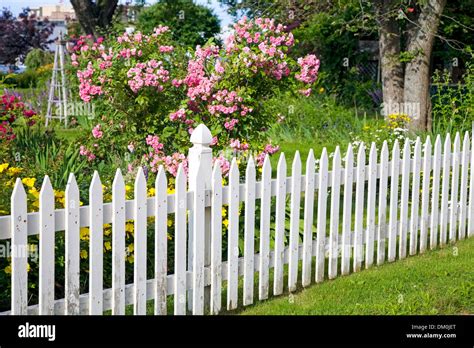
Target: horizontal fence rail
(349, 210)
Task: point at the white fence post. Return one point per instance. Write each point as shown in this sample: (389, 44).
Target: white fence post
(200, 153)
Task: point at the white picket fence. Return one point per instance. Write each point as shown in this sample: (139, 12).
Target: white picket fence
(385, 220)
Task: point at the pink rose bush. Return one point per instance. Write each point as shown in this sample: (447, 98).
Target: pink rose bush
(159, 93)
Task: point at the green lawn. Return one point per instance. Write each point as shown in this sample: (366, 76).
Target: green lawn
(438, 282)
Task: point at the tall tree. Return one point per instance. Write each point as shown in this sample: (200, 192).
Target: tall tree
(19, 36)
(94, 15)
(191, 24)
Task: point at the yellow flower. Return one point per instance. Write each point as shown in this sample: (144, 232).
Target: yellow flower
(28, 267)
(14, 171)
(130, 259)
(107, 246)
(58, 194)
(34, 192)
(129, 227)
(3, 166)
(151, 191)
(36, 203)
(170, 222)
(130, 248)
(321, 90)
(8, 269)
(169, 237)
(84, 233)
(225, 222)
(171, 191)
(84, 254)
(107, 225)
(224, 211)
(128, 188)
(107, 232)
(30, 182)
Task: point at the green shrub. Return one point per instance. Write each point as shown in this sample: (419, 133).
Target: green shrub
(37, 58)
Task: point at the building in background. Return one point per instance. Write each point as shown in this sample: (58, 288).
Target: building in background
(60, 15)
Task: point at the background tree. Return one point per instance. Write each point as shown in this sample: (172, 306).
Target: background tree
(94, 16)
(191, 24)
(18, 37)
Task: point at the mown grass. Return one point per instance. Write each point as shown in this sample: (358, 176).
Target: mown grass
(438, 282)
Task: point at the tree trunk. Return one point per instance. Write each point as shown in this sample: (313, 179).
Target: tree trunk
(93, 15)
(417, 71)
(389, 50)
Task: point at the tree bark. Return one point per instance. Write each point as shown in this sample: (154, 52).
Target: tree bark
(389, 51)
(93, 15)
(417, 71)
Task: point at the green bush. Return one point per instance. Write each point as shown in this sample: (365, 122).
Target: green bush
(37, 58)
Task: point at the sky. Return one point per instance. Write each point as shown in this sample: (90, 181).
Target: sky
(16, 6)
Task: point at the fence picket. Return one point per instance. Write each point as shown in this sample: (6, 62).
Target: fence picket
(322, 212)
(216, 239)
(249, 236)
(402, 248)
(453, 218)
(96, 262)
(46, 247)
(470, 213)
(347, 212)
(19, 226)
(233, 235)
(334, 220)
(198, 243)
(445, 191)
(435, 194)
(463, 189)
(161, 241)
(308, 220)
(180, 243)
(263, 279)
(415, 196)
(280, 225)
(118, 244)
(372, 187)
(393, 222)
(72, 247)
(359, 209)
(140, 242)
(382, 213)
(425, 197)
(294, 222)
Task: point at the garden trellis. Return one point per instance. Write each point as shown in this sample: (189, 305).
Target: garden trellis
(347, 212)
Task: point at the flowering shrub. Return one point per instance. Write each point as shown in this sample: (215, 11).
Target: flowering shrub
(159, 94)
(11, 108)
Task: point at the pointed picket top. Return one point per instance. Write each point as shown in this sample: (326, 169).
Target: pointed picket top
(281, 167)
(457, 141)
(96, 184)
(310, 158)
(361, 154)
(438, 142)
(417, 148)
(447, 143)
(19, 193)
(46, 189)
(160, 178)
(250, 170)
(267, 166)
(406, 149)
(373, 153)
(384, 151)
(140, 179)
(118, 183)
(337, 156)
(396, 149)
(349, 154)
(296, 162)
(216, 171)
(71, 186)
(465, 142)
(201, 135)
(234, 169)
(324, 158)
(180, 175)
(428, 143)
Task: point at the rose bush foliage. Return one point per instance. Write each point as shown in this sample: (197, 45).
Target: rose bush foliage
(158, 94)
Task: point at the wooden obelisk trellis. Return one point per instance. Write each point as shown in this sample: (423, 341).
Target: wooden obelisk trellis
(57, 101)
